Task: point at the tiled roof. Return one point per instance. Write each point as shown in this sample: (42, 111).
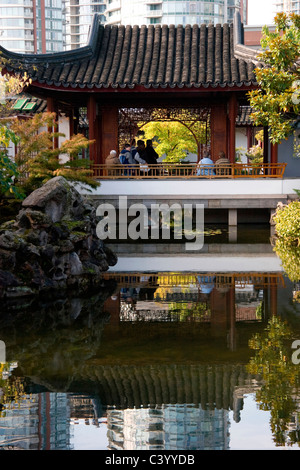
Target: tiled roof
(244, 116)
(155, 56)
(27, 105)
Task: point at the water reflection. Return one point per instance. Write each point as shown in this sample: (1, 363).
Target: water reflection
(157, 360)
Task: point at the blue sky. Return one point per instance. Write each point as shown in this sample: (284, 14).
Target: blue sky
(261, 12)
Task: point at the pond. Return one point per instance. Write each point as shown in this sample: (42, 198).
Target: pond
(176, 352)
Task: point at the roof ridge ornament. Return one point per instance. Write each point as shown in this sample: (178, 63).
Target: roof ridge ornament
(241, 51)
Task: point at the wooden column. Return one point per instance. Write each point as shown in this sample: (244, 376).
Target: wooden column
(91, 116)
(266, 145)
(109, 131)
(232, 337)
(274, 157)
(232, 114)
(273, 301)
(71, 122)
(52, 108)
(274, 153)
(218, 130)
(249, 137)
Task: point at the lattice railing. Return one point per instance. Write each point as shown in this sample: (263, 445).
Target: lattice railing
(189, 171)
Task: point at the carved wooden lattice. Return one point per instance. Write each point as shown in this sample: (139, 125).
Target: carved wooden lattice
(131, 120)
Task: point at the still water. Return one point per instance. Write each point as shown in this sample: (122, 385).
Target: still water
(177, 352)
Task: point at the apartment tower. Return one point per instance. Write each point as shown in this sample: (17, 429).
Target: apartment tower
(32, 26)
(288, 6)
(139, 12)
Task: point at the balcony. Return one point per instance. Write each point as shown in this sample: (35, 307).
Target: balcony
(115, 18)
(113, 6)
(154, 14)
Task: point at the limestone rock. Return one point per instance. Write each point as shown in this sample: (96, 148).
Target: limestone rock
(52, 244)
(56, 198)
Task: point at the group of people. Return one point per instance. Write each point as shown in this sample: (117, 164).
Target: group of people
(144, 155)
(139, 154)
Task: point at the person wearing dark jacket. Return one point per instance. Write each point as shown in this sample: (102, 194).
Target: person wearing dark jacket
(139, 154)
(150, 155)
(140, 157)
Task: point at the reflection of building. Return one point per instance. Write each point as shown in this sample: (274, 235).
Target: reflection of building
(38, 422)
(168, 427)
(44, 421)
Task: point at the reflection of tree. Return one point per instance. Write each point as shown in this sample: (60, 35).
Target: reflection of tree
(11, 388)
(287, 243)
(53, 340)
(281, 379)
(186, 311)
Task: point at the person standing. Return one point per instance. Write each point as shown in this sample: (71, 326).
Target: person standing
(125, 156)
(140, 157)
(140, 154)
(151, 155)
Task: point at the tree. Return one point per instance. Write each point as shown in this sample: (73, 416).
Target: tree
(287, 242)
(280, 378)
(8, 169)
(9, 86)
(39, 160)
(36, 157)
(276, 104)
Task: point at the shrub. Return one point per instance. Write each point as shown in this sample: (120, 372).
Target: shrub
(287, 220)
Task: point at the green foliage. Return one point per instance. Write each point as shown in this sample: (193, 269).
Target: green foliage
(290, 258)
(174, 139)
(276, 103)
(38, 160)
(287, 245)
(8, 173)
(8, 169)
(287, 221)
(280, 378)
(12, 389)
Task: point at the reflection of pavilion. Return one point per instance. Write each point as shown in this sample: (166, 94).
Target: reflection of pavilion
(226, 298)
(171, 407)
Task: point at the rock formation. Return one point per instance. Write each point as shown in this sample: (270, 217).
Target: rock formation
(52, 244)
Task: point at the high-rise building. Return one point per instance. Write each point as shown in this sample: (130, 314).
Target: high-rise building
(40, 26)
(173, 12)
(288, 6)
(78, 15)
(31, 26)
